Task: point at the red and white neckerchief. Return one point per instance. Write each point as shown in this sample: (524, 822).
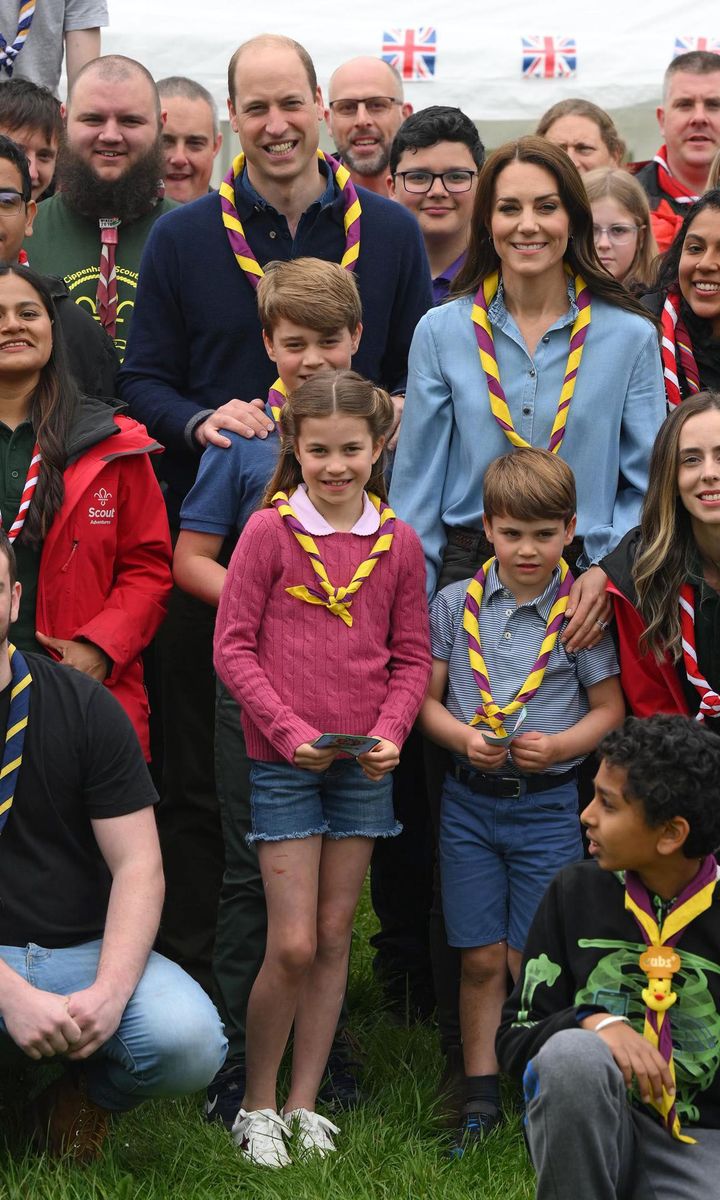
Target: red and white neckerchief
(676, 344)
(709, 699)
(27, 494)
(667, 181)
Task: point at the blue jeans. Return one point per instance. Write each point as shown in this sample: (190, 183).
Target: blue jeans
(289, 802)
(169, 1041)
(498, 856)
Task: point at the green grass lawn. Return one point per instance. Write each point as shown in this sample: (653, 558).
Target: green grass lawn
(392, 1148)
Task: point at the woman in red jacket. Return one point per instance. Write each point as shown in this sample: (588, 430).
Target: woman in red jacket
(665, 575)
(79, 499)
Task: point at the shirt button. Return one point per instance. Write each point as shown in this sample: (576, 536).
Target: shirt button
(508, 636)
(546, 339)
(508, 612)
(531, 372)
(526, 412)
(14, 474)
(273, 233)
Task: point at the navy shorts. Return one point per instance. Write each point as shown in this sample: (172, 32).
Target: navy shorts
(498, 856)
(288, 802)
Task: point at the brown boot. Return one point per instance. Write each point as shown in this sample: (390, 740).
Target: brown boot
(67, 1123)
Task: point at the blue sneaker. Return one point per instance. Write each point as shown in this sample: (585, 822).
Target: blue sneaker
(224, 1095)
(474, 1127)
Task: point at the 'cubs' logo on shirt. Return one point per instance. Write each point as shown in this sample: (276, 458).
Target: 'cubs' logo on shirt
(103, 513)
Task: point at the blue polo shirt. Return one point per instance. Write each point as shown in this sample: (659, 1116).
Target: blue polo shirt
(511, 635)
(230, 484)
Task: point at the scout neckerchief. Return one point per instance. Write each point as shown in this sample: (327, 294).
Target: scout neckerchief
(667, 181)
(106, 296)
(276, 398)
(676, 344)
(486, 345)
(236, 234)
(27, 493)
(660, 963)
(709, 699)
(106, 299)
(488, 712)
(246, 259)
(20, 681)
(10, 50)
(337, 600)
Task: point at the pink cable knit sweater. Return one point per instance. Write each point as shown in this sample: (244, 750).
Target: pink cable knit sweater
(296, 669)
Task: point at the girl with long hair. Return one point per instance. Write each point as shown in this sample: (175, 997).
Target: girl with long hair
(624, 239)
(687, 300)
(322, 629)
(665, 574)
(81, 504)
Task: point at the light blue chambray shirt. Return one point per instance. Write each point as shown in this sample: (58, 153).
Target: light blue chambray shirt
(449, 436)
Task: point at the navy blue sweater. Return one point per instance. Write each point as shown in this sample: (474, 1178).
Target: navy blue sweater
(196, 339)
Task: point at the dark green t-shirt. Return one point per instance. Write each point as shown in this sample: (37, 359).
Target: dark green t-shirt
(16, 447)
(66, 244)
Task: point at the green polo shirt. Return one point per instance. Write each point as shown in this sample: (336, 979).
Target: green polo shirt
(16, 447)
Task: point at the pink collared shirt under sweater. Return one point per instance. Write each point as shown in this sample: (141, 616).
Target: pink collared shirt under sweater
(296, 669)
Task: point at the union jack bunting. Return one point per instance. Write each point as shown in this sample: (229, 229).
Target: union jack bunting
(549, 57)
(411, 51)
(683, 45)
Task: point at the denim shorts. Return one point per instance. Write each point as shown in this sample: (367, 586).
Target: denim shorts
(288, 802)
(498, 856)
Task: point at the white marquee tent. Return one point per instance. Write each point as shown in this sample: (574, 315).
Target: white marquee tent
(613, 53)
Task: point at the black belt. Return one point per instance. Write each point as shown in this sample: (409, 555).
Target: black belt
(474, 542)
(509, 787)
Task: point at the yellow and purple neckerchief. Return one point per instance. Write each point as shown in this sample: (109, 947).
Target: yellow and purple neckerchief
(336, 600)
(692, 901)
(709, 698)
(18, 714)
(488, 712)
(10, 50)
(236, 234)
(277, 398)
(488, 359)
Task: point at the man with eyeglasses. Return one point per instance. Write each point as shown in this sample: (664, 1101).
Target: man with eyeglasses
(435, 160)
(364, 112)
(90, 352)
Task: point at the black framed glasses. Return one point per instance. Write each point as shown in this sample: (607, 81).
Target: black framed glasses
(419, 182)
(375, 106)
(11, 201)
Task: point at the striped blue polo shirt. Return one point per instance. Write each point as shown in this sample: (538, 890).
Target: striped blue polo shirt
(511, 635)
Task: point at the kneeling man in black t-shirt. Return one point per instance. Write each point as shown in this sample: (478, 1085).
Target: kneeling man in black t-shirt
(81, 889)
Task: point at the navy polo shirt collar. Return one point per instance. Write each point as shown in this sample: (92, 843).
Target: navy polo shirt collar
(248, 200)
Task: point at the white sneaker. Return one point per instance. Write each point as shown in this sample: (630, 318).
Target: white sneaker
(314, 1133)
(259, 1136)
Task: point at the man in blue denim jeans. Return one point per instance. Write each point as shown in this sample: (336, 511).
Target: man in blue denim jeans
(82, 890)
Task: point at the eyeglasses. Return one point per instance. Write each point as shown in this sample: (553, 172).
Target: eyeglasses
(419, 182)
(619, 235)
(11, 201)
(375, 106)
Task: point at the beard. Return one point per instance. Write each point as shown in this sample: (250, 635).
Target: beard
(129, 197)
(364, 165)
